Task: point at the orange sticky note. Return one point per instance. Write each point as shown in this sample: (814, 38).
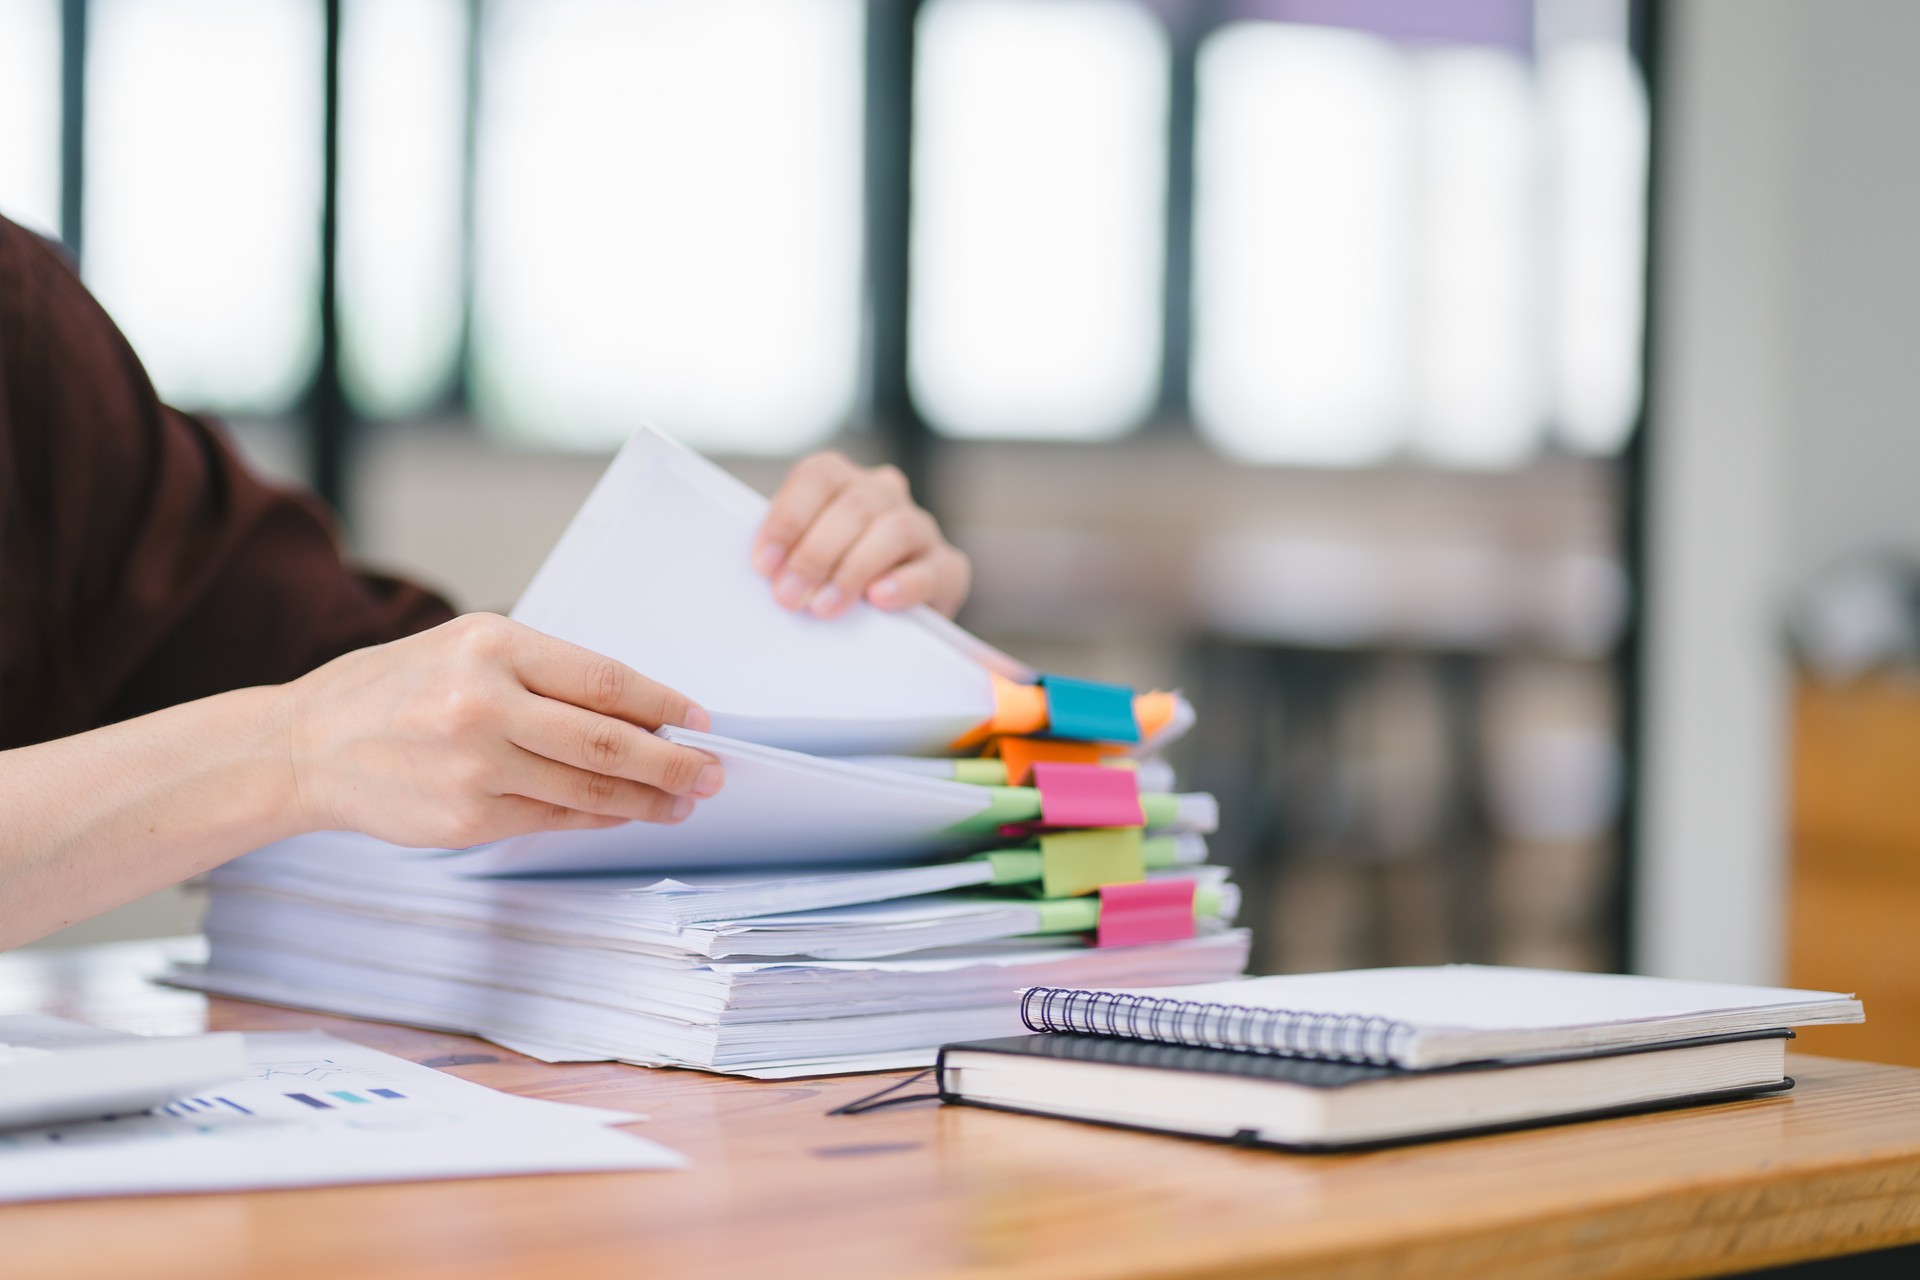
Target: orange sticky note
(1021, 754)
(1018, 709)
(1154, 711)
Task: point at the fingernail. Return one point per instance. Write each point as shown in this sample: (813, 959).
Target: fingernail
(827, 601)
(767, 557)
(712, 778)
(696, 718)
(791, 590)
(682, 807)
(885, 592)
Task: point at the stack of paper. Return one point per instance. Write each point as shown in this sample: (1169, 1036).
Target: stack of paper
(914, 828)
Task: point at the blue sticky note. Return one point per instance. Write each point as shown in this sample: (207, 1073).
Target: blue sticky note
(1089, 711)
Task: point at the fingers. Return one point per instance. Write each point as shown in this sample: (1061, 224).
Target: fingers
(854, 512)
(564, 787)
(895, 539)
(519, 815)
(568, 673)
(813, 483)
(938, 579)
(601, 746)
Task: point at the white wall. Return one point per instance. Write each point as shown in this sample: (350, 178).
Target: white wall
(1854, 460)
(1788, 321)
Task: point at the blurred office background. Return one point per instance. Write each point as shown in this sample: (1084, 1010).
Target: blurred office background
(1282, 350)
(1295, 352)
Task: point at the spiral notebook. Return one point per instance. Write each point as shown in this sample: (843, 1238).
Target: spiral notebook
(1266, 1100)
(1421, 1018)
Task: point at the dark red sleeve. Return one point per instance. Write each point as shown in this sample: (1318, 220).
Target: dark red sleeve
(141, 563)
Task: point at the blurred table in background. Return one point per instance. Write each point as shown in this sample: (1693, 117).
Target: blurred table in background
(1854, 888)
(1404, 676)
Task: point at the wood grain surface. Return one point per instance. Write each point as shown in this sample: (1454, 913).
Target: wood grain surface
(779, 1189)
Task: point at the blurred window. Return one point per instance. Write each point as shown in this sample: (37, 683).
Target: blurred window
(669, 220)
(1039, 216)
(402, 138)
(1429, 249)
(1419, 230)
(1477, 359)
(30, 113)
(201, 228)
(1596, 107)
(1303, 236)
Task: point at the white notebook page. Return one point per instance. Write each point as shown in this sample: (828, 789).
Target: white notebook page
(1493, 998)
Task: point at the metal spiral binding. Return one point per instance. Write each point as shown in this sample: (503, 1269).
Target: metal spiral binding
(1198, 1024)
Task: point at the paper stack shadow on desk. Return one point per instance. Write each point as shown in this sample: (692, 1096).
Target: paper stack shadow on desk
(914, 828)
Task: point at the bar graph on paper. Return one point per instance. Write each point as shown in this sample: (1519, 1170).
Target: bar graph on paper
(313, 1110)
(277, 1097)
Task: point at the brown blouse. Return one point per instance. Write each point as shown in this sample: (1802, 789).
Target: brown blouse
(141, 563)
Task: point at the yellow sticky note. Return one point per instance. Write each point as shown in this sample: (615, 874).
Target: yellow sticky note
(1077, 862)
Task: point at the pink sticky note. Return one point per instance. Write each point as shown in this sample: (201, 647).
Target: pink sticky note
(1150, 911)
(1087, 795)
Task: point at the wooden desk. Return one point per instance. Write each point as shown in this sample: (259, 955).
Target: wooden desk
(780, 1190)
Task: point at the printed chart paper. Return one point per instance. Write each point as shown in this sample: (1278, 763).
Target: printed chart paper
(317, 1111)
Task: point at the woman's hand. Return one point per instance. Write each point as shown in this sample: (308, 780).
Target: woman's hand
(837, 533)
(483, 728)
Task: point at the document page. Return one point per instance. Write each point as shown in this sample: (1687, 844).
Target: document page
(655, 571)
(313, 1110)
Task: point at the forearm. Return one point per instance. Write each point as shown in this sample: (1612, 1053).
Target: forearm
(104, 817)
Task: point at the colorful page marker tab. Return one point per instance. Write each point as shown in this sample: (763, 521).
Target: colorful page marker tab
(1082, 915)
(1017, 709)
(1160, 809)
(1005, 806)
(1077, 862)
(1068, 915)
(1021, 754)
(1151, 911)
(1087, 711)
(1154, 712)
(1015, 866)
(982, 773)
(1087, 795)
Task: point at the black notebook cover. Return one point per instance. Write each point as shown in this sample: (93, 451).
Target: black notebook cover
(1312, 1073)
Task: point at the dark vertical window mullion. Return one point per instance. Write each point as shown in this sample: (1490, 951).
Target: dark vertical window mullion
(1645, 18)
(1186, 26)
(459, 393)
(73, 121)
(888, 144)
(328, 418)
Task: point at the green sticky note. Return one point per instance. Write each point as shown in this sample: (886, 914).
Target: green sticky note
(1160, 852)
(1076, 862)
(1161, 809)
(1068, 915)
(981, 773)
(1206, 901)
(1014, 866)
(1005, 804)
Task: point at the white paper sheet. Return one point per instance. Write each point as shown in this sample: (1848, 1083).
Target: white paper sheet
(655, 571)
(60, 1070)
(318, 1111)
(777, 808)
